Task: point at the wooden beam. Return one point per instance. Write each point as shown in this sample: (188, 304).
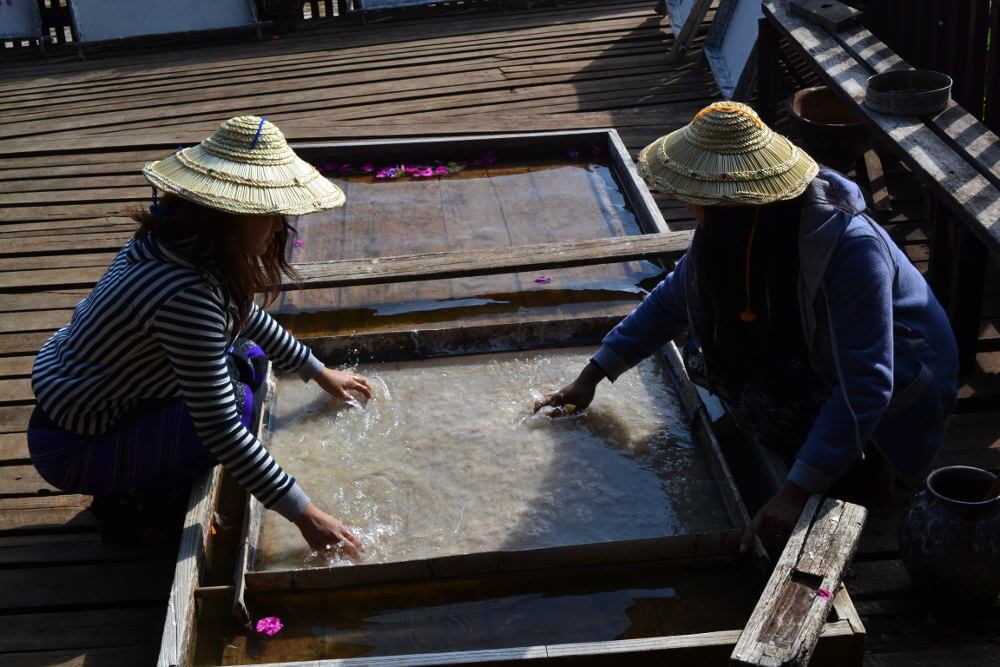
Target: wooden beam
(788, 619)
(463, 263)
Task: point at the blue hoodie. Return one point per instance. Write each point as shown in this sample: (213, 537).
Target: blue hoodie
(877, 337)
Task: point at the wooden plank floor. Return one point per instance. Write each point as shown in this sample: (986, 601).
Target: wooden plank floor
(74, 135)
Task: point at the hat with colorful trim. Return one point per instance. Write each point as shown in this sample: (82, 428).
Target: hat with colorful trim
(726, 156)
(246, 167)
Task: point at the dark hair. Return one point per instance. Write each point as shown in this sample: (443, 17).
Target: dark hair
(729, 342)
(211, 239)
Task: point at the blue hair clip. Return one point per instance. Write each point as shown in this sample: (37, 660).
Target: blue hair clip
(155, 209)
(256, 137)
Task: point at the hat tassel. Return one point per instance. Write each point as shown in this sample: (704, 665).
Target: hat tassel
(747, 315)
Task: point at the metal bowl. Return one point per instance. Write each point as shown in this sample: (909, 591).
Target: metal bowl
(915, 92)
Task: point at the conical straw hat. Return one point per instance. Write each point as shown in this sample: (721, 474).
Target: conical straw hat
(245, 167)
(726, 156)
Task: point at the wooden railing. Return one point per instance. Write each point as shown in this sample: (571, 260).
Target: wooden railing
(950, 37)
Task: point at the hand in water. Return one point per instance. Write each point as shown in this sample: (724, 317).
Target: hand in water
(576, 395)
(323, 533)
(339, 383)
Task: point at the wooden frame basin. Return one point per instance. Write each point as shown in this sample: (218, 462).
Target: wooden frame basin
(681, 597)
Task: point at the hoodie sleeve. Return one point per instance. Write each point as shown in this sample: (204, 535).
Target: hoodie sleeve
(286, 352)
(858, 301)
(661, 317)
(191, 328)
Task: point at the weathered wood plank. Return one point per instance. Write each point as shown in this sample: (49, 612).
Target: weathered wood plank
(96, 584)
(23, 480)
(79, 630)
(69, 547)
(14, 419)
(124, 656)
(787, 621)
(459, 263)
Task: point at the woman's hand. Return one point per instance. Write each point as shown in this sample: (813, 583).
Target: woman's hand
(325, 534)
(775, 520)
(338, 383)
(576, 395)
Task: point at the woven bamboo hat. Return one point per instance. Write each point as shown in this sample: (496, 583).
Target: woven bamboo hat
(726, 156)
(245, 167)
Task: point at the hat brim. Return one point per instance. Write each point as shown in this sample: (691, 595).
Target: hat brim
(665, 167)
(292, 188)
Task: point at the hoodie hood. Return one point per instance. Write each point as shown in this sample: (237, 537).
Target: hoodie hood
(831, 201)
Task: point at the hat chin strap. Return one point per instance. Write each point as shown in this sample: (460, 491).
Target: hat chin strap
(747, 315)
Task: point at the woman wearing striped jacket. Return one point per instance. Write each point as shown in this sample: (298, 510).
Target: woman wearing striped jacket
(154, 378)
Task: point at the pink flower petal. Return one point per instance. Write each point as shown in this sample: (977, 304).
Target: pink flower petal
(441, 171)
(543, 280)
(824, 594)
(298, 243)
(269, 625)
(426, 171)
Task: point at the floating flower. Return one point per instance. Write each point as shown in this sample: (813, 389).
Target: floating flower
(441, 171)
(425, 172)
(367, 167)
(269, 625)
(543, 280)
(823, 594)
(298, 243)
(572, 154)
(387, 172)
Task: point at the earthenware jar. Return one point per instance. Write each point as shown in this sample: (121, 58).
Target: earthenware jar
(830, 131)
(949, 539)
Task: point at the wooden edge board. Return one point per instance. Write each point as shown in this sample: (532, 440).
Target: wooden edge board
(465, 263)
(717, 643)
(178, 628)
(253, 516)
(787, 621)
(648, 212)
(624, 552)
(958, 183)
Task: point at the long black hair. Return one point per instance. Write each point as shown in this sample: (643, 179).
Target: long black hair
(748, 314)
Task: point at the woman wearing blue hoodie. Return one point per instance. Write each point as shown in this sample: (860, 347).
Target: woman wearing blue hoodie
(801, 312)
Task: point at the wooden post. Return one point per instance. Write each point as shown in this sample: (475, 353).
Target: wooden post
(768, 72)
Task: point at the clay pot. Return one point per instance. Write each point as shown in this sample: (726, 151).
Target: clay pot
(949, 539)
(829, 130)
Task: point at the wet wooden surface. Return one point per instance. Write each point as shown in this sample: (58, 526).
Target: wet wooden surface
(74, 135)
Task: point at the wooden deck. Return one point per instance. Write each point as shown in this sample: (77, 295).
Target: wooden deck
(74, 135)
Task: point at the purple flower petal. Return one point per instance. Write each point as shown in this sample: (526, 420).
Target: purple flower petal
(426, 171)
(269, 625)
(298, 243)
(543, 280)
(441, 171)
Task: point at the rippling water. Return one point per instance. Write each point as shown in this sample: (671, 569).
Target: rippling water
(447, 458)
